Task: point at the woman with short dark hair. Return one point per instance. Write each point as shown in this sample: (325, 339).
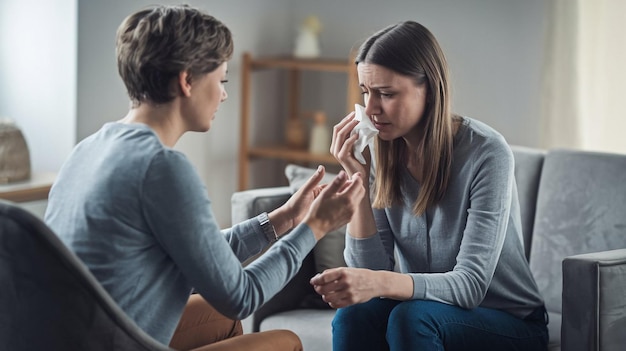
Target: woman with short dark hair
(138, 215)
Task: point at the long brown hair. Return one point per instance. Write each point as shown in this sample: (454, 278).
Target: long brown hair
(410, 49)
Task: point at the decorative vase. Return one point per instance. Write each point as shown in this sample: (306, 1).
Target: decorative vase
(307, 42)
(14, 155)
(319, 143)
(307, 45)
(295, 134)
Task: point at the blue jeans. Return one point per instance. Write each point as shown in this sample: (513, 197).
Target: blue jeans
(421, 325)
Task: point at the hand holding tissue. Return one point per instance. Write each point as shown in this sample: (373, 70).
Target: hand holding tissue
(366, 131)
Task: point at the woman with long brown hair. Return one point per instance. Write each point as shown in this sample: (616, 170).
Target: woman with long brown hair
(435, 256)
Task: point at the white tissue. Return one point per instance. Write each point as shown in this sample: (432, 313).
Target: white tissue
(366, 131)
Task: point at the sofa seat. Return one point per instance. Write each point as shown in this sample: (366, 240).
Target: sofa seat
(572, 206)
(312, 326)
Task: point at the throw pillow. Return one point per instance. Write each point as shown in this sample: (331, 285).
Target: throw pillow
(328, 252)
(298, 175)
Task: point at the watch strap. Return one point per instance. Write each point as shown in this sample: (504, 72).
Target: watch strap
(267, 227)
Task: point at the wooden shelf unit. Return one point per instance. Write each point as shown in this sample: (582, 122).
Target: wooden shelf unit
(34, 189)
(293, 66)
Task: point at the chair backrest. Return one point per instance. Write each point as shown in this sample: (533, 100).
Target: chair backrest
(49, 300)
(528, 165)
(581, 208)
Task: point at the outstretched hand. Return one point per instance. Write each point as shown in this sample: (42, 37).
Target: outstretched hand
(335, 204)
(322, 207)
(295, 209)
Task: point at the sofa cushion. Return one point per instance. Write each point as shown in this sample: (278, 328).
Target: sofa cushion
(298, 175)
(328, 252)
(249, 203)
(312, 326)
(580, 209)
(528, 164)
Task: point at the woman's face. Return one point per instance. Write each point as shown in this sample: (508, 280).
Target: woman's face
(207, 93)
(393, 101)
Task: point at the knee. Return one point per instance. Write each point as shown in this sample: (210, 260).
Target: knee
(368, 316)
(285, 340)
(352, 316)
(292, 340)
(413, 316)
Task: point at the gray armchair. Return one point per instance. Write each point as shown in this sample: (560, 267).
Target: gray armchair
(49, 300)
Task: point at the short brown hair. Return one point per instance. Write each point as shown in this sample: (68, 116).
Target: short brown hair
(155, 44)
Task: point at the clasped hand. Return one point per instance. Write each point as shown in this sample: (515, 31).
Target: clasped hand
(343, 286)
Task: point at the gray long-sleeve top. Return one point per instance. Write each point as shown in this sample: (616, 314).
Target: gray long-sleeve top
(467, 250)
(139, 217)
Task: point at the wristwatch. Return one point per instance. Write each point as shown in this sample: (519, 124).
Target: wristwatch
(267, 227)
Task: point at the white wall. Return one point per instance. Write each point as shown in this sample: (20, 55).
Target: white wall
(494, 49)
(59, 80)
(257, 26)
(38, 76)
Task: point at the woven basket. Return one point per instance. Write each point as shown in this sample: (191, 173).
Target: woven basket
(14, 156)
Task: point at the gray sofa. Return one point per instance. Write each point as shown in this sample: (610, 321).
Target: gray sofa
(573, 208)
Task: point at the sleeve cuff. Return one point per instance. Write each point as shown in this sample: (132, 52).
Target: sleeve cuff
(419, 287)
(366, 252)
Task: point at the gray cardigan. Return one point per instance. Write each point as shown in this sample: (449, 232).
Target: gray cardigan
(468, 249)
(139, 217)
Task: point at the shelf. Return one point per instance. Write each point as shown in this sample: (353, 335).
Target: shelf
(33, 189)
(302, 64)
(284, 152)
(293, 67)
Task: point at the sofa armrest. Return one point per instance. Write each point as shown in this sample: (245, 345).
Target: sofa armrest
(249, 203)
(594, 303)
(291, 297)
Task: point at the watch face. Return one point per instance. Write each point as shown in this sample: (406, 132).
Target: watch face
(264, 219)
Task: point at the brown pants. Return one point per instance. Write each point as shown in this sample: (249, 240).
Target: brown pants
(202, 328)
